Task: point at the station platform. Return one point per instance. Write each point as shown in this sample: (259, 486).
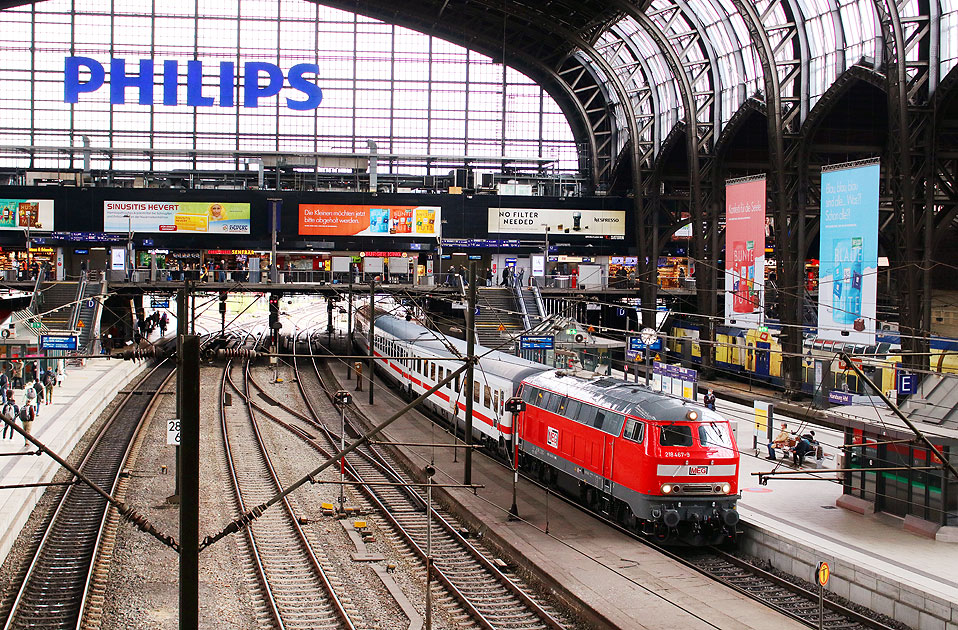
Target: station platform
(85, 393)
(796, 523)
(628, 584)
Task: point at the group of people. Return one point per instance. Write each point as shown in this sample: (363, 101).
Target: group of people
(37, 385)
(800, 445)
(146, 325)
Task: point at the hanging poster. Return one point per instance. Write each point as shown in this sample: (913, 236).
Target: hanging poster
(848, 256)
(745, 251)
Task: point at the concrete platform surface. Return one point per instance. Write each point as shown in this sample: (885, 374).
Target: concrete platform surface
(85, 393)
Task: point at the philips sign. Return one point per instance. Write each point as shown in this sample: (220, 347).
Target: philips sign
(83, 74)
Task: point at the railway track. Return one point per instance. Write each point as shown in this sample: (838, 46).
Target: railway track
(749, 580)
(773, 591)
(53, 591)
(489, 597)
(297, 589)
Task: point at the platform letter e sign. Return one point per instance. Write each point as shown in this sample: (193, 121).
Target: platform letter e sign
(553, 437)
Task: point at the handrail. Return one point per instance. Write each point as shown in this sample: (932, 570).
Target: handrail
(32, 307)
(517, 293)
(77, 303)
(539, 303)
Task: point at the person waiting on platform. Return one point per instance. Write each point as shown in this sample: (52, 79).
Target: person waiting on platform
(780, 441)
(806, 444)
(709, 400)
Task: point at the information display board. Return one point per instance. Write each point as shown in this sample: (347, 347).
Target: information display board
(744, 251)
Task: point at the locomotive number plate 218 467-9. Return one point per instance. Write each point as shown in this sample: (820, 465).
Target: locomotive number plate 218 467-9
(698, 470)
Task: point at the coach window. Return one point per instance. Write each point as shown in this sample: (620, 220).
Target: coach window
(458, 389)
(675, 435)
(634, 430)
(495, 400)
(432, 371)
(487, 397)
(441, 371)
(475, 392)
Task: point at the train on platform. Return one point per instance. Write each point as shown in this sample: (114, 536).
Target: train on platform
(660, 465)
(756, 354)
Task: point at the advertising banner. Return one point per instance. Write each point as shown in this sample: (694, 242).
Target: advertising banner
(745, 251)
(848, 282)
(321, 219)
(172, 216)
(587, 223)
(19, 214)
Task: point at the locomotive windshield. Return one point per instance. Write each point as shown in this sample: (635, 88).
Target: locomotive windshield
(676, 435)
(714, 434)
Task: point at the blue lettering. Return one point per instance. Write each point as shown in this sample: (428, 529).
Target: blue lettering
(252, 92)
(314, 95)
(119, 81)
(83, 74)
(227, 82)
(194, 85)
(171, 80)
(72, 87)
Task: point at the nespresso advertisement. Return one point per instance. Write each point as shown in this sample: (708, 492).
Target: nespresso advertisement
(317, 219)
(594, 223)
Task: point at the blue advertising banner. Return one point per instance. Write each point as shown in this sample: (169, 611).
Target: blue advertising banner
(848, 255)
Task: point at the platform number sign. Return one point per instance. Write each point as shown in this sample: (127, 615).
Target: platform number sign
(173, 432)
(552, 437)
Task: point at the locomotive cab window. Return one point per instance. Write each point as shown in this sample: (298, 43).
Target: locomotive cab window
(675, 435)
(715, 434)
(556, 403)
(634, 430)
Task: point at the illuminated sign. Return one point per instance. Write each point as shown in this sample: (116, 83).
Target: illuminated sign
(356, 220)
(596, 223)
(83, 75)
(173, 216)
(231, 252)
(20, 214)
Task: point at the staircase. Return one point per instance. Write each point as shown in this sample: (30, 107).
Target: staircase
(56, 300)
(89, 316)
(497, 308)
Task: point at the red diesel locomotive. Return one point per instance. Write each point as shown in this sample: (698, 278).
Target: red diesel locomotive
(658, 464)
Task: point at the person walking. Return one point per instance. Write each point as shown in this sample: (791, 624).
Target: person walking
(9, 413)
(27, 414)
(38, 389)
(49, 380)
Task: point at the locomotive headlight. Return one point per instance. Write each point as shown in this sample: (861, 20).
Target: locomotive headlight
(726, 488)
(692, 415)
(666, 488)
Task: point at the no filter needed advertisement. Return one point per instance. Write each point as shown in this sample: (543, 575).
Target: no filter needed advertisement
(594, 223)
(356, 220)
(211, 217)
